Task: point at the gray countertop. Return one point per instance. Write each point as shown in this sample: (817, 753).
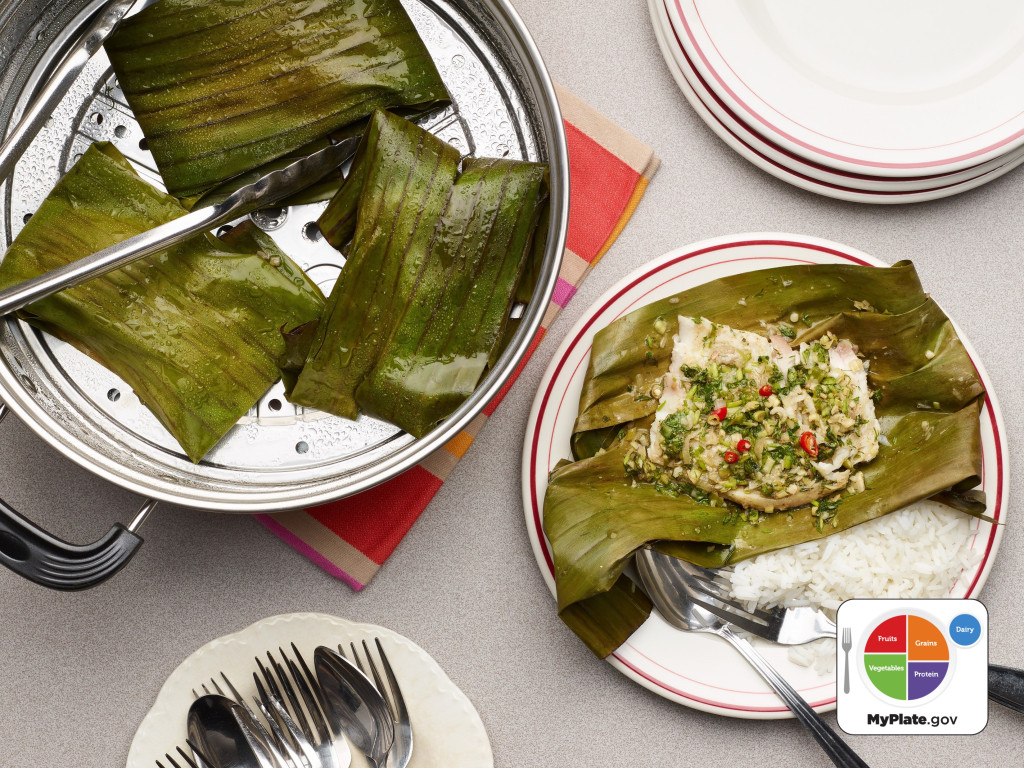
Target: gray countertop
(79, 671)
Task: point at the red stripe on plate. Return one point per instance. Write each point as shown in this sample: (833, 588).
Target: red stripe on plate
(711, 702)
(996, 514)
(673, 672)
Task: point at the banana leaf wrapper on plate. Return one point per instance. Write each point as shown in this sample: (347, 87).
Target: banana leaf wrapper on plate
(435, 251)
(222, 88)
(193, 329)
(928, 408)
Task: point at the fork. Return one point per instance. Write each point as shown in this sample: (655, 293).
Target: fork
(273, 742)
(672, 594)
(200, 761)
(795, 626)
(847, 647)
(401, 750)
(329, 750)
(785, 626)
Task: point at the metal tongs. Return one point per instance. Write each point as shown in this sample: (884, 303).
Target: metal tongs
(268, 189)
(42, 105)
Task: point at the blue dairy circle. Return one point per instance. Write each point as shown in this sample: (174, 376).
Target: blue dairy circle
(965, 630)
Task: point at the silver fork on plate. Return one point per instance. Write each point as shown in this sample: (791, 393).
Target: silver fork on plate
(795, 626)
(785, 626)
(282, 751)
(292, 697)
(673, 594)
(401, 749)
(200, 759)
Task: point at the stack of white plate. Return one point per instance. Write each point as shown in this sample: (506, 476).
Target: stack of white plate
(877, 101)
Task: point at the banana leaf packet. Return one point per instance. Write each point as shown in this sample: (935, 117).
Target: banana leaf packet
(193, 329)
(436, 246)
(928, 402)
(221, 88)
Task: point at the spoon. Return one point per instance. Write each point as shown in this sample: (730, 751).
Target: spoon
(225, 731)
(354, 705)
(671, 597)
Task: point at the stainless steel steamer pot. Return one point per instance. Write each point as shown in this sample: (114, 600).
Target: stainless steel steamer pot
(279, 456)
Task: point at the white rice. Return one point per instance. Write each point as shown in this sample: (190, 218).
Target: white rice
(916, 552)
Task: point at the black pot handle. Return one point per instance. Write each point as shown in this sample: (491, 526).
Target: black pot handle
(30, 551)
(1006, 686)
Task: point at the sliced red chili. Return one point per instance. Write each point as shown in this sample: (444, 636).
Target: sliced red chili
(809, 443)
(720, 413)
(765, 391)
(743, 446)
(731, 457)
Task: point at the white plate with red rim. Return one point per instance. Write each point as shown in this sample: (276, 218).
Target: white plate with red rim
(785, 165)
(892, 89)
(703, 671)
(677, 59)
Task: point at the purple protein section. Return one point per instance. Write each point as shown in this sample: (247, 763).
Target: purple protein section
(923, 677)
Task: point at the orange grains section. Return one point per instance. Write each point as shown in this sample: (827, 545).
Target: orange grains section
(925, 641)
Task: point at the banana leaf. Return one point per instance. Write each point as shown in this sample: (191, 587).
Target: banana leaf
(319, 192)
(456, 316)
(434, 256)
(193, 329)
(527, 280)
(409, 173)
(221, 88)
(929, 406)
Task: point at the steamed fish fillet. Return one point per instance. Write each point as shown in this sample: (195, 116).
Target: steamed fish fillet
(767, 426)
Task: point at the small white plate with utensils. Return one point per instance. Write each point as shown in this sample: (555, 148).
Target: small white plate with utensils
(448, 731)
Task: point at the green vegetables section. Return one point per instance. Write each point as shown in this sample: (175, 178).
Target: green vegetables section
(599, 509)
(222, 88)
(193, 329)
(434, 257)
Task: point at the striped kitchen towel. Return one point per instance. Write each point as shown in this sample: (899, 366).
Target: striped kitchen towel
(609, 170)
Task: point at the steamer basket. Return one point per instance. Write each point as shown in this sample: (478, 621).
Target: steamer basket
(278, 456)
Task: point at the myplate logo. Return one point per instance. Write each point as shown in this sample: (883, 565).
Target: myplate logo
(907, 660)
(912, 666)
